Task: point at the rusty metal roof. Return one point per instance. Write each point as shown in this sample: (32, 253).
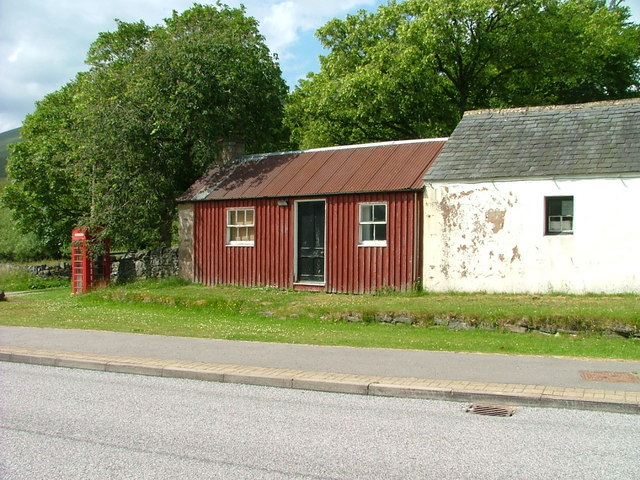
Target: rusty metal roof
(378, 167)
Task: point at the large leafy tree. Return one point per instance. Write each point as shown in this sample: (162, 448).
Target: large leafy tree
(46, 189)
(146, 120)
(412, 68)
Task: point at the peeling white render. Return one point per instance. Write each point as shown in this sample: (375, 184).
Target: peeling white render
(491, 237)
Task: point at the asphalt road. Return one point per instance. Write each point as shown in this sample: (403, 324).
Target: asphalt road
(58, 423)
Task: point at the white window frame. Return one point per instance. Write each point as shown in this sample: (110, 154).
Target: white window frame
(230, 226)
(561, 219)
(362, 223)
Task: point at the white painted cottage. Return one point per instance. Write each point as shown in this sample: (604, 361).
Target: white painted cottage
(538, 199)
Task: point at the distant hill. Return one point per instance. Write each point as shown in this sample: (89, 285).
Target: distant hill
(6, 138)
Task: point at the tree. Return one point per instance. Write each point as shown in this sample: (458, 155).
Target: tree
(412, 68)
(149, 118)
(45, 192)
(161, 102)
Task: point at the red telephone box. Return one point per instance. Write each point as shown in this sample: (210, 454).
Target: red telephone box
(90, 261)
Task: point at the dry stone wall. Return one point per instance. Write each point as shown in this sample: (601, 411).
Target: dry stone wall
(125, 267)
(62, 269)
(160, 263)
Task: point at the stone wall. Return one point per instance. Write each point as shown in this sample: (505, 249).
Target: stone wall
(62, 269)
(159, 263)
(125, 267)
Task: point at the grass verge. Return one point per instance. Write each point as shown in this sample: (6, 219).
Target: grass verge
(13, 278)
(270, 315)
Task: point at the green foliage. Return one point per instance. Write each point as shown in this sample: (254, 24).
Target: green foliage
(120, 143)
(181, 89)
(412, 68)
(15, 245)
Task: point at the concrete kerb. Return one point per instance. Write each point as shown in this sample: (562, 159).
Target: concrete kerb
(402, 387)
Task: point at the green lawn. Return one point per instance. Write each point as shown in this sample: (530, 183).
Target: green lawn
(270, 315)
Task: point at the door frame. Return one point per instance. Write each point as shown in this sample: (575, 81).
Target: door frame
(295, 242)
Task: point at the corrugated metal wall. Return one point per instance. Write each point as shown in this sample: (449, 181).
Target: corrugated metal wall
(356, 269)
(349, 268)
(269, 262)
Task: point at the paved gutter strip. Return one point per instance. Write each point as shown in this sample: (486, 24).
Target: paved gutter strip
(428, 389)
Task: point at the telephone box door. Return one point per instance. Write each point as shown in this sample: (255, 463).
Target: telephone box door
(87, 268)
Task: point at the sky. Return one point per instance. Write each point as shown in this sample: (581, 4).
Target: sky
(43, 43)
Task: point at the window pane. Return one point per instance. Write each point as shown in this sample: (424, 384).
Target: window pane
(567, 207)
(567, 224)
(366, 213)
(233, 234)
(241, 234)
(240, 217)
(554, 224)
(553, 206)
(380, 213)
(381, 231)
(367, 232)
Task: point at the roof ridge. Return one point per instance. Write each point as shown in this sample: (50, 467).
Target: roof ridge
(256, 156)
(545, 108)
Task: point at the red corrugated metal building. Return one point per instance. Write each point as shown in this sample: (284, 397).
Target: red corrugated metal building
(341, 219)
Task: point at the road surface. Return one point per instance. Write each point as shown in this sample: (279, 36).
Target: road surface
(59, 423)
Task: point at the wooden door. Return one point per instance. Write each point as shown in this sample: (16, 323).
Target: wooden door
(310, 254)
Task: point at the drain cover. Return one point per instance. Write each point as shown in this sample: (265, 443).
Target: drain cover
(614, 377)
(491, 410)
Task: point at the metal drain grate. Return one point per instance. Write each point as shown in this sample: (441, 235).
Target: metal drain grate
(613, 377)
(491, 410)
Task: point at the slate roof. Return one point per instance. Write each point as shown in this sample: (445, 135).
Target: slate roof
(600, 138)
(379, 167)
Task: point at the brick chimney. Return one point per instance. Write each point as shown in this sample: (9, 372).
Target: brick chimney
(231, 148)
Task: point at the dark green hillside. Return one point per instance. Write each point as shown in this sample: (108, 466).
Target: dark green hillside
(6, 138)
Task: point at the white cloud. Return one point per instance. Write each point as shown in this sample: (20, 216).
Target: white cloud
(284, 22)
(16, 54)
(281, 26)
(43, 44)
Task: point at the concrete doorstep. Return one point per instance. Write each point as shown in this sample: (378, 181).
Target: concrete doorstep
(404, 387)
